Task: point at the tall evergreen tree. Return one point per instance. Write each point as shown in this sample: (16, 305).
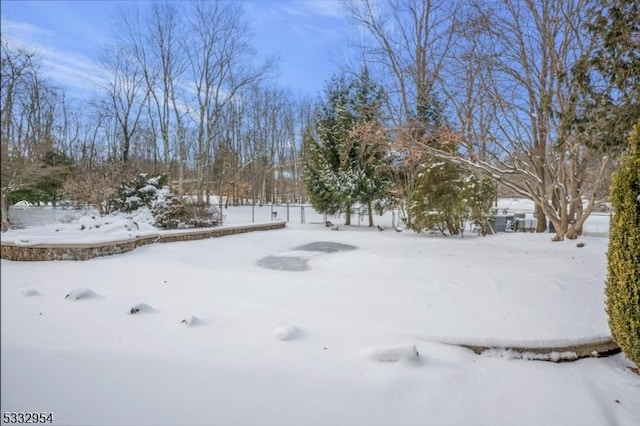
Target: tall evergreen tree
(320, 177)
(346, 161)
(326, 182)
(367, 145)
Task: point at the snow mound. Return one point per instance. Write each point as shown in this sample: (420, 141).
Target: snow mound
(86, 229)
(22, 204)
(192, 321)
(286, 332)
(140, 308)
(118, 222)
(408, 353)
(81, 294)
(31, 293)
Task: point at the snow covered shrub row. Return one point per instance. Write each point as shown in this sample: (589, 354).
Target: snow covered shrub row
(169, 210)
(623, 283)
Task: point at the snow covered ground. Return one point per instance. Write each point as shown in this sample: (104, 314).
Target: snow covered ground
(207, 332)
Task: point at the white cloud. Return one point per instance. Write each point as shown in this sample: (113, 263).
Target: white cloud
(17, 29)
(326, 8)
(313, 17)
(68, 70)
(314, 8)
(73, 72)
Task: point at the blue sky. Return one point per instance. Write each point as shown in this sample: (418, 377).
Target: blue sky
(310, 37)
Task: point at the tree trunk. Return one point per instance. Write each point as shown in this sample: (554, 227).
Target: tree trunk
(575, 229)
(4, 211)
(369, 208)
(126, 145)
(347, 214)
(542, 220)
(561, 225)
(576, 216)
(572, 233)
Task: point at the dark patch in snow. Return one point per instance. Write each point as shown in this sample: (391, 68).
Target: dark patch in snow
(284, 263)
(300, 263)
(326, 247)
(31, 293)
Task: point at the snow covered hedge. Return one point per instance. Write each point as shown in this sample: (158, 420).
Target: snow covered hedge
(623, 283)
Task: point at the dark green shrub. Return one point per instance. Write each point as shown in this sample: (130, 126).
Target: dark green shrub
(446, 196)
(623, 258)
(45, 180)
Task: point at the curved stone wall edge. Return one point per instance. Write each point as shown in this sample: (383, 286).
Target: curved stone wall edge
(86, 251)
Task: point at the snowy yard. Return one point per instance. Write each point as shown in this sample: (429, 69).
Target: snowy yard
(359, 336)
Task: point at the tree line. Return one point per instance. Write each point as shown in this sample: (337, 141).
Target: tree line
(181, 95)
(450, 102)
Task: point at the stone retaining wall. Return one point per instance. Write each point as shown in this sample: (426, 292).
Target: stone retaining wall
(86, 251)
(596, 348)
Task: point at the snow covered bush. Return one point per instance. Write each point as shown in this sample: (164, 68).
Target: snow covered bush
(623, 282)
(169, 210)
(141, 191)
(446, 196)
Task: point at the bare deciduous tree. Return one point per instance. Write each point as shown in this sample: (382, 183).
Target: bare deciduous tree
(410, 43)
(154, 42)
(516, 103)
(221, 64)
(126, 92)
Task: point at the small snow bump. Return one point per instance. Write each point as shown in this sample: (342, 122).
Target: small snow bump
(393, 354)
(191, 321)
(31, 293)
(81, 294)
(140, 308)
(286, 332)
